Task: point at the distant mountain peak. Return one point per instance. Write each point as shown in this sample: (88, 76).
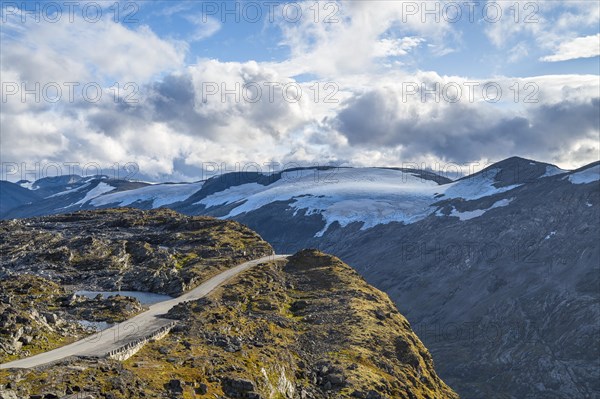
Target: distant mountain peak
(516, 170)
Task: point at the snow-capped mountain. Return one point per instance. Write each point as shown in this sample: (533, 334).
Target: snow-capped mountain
(489, 268)
(60, 194)
(336, 196)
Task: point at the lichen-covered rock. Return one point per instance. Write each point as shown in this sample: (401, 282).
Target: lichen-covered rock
(158, 251)
(42, 315)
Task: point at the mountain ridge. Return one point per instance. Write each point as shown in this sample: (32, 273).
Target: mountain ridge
(195, 198)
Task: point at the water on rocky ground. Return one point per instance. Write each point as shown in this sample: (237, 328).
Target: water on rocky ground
(145, 298)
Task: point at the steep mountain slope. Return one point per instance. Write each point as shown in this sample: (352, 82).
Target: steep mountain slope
(307, 327)
(13, 195)
(507, 300)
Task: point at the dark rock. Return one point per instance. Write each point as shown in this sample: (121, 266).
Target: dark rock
(26, 339)
(380, 315)
(202, 389)
(237, 387)
(175, 386)
(51, 318)
(336, 379)
(298, 305)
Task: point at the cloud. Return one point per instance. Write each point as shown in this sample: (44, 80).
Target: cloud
(204, 27)
(547, 24)
(518, 52)
(468, 131)
(581, 47)
(358, 35)
(176, 121)
(81, 51)
(506, 29)
(396, 47)
(175, 128)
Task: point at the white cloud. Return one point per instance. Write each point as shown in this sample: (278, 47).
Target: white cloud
(365, 32)
(396, 47)
(518, 52)
(581, 47)
(173, 126)
(546, 23)
(81, 51)
(204, 27)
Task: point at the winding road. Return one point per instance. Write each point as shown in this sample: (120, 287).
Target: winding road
(134, 329)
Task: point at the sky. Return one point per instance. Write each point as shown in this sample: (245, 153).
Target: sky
(173, 90)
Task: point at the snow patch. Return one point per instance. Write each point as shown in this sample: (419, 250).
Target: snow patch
(468, 215)
(69, 190)
(97, 191)
(552, 233)
(552, 171)
(371, 196)
(231, 195)
(476, 187)
(28, 185)
(159, 194)
(588, 175)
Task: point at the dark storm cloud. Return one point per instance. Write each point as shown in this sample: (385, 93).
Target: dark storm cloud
(171, 101)
(112, 119)
(463, 132)
(176, 102)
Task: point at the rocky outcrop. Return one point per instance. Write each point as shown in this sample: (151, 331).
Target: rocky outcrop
(155, 251)
(158, 251)
(7, 394)
(37, 315)
(307, 328)
(239, 388)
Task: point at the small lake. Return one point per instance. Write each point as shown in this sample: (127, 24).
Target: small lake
(145, 298)
(94, 325)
